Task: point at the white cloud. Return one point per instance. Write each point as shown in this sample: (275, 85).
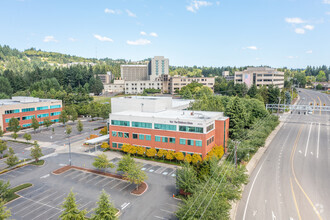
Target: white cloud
(72, 39)
(139, 42)
(153, 34)
(299, 30)
(218, 3)
(309, 51)
(292, 57)
(294, 20)
(143, 33)
(100, 38)
(129, 13)
(195, 5)
(309, 27)
(50, 39)
(251, 48)
(326, 2)
(258, 58)
(111, 11)
(327, 13)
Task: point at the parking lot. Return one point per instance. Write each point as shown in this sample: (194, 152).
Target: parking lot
(17, 172)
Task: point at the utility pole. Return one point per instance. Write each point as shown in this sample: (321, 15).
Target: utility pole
(278, 107)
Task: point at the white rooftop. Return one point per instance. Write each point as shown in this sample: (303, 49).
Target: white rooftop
(22, 100)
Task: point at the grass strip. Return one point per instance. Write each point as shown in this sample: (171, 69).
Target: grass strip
(13, 194)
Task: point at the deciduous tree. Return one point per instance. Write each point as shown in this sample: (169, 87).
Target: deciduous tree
(151, 152)
(161, 153)
(196, 158)
(4, 212)
(170, 155)
(102, 162)
(63, 118)
(35, 124)
(187, 158)
(27, 136)
(141, 151)
(14, 125)
(47, 122)
(125, 163)
(80, 126)
(179, 156)
(105, 145)
(186, 178)
(4, 189)
(136, 175)
(3, 147)
(36, 151)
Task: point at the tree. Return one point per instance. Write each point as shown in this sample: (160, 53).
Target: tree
(151, 152)
(102, 162)
(105, 209)
(63, 118)
(196, 158)
(105, 145)
(252, 92)
(71, 211)
(179, 156)
(287, 98)
(5, 86)
(14, 125)
(161, 153)
(12, 158)
(186, 178)
(4, 212)
(47, 122)
(204, 90)
(1, 132)
(321, 76)
(104, 130)
(132, 150)
(35, 124)
(319, 87)
(73, 115)
(187, 94)
(236, 112)
(4, 189)
(3, 147)
(141, 151)
(27, 136)
(80, 126)
(36, 151)
(170, 155)
(187, 158)
(136, 175)
(274, 93)
(14, 135)
(125, 163)
(53, 130)
(68, 130)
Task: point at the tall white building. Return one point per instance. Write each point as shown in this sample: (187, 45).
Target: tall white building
(159, 66)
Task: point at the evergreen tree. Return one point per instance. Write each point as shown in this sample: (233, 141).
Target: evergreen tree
(4, 212)
(12, 159)
(105, 209)
(252, 92)
(3, 147)
(186, 178)
(36, 151)
(71, 211)
(80, 126)
(236, 113)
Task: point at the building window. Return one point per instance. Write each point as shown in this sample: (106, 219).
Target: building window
(55, 120)
(191, 129)
(157, 138)
(165, 127)
(42, 115)
(120, 134)
(26, 125)
(135, 136)
(114, 145)
(199, 143)
(141, 124)
(55, 106)
(42, 108)
(114, 134)
(28, 109)
(172, 140)
(55, 113)
(165, 139)
(209, 128)
(182, 141)
(141, 136)
(210, 140)
(190, 142)
(27, 117)
(148, 137)
(120, 145)
(11, 111)
(126, 135)
(121, 123)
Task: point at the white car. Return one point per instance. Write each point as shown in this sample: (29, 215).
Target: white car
(310, 112)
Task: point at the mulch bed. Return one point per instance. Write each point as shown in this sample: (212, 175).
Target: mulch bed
(142, 188)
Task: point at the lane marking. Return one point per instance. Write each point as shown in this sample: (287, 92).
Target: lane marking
(320, 105)
(45, 176)
(124, 206)
(318, 142)
(295, 201)
(159, 217)
(166, 211)
(273, 216)
(309, 134)
(248, 198)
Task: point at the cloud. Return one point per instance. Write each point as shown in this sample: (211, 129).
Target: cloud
(153, 34)
(294, 20)
(309, 27)
(129, 13)
(72, 39)
(258, 58)
(309, 51)
(251, 48)
(139, 42)
(195, 5)
(299, 30)
(111, 11)
(292, 57)
(217, 3)
(327, 13)
(326, 2)
(50, 39)
(143, 33)
(100, 38)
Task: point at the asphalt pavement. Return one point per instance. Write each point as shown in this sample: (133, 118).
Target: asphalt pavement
(291, 181)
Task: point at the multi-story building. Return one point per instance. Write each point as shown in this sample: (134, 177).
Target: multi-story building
(106, 78)
(177, 82)
(118, 86)
(134, 72)
(260, 76)
(159, 66)
(227, 76)
(25, 108)
(159, 122)
(137, 87)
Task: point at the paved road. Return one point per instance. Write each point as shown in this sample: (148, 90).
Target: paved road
(291, 181)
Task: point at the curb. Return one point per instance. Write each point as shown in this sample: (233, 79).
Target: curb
(142, 192)
(18, 194)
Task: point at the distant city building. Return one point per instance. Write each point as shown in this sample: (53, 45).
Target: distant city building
(161, 123)
(159, 66)
(118, 86)
(226, 75)
(137, 87)
(134, 72)
(177, 82)
(260, 76)
(106, 78)
(25, 108)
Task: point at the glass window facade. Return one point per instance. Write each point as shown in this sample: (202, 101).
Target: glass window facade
(42, 108)
(141, 136)
(28, 109)
(172, 140)
(126, 135)
(55, 120)
(157, 138)
(27, 117)
(141, 124)
(114, 134)
(148, 137)
(8, 119)
(135, 136)
(199, 143)
(209, 128)
(11, 111)
(165, 127)
(165, 139)
(26, 125)
(182, 141)
(114, 145)
(43, 115)
(55, 113)
(190, 142)
(55, 106)
(191, 129)
(120, 134)
(121, 123)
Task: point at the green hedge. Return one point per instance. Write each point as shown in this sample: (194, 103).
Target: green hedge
(13, 194)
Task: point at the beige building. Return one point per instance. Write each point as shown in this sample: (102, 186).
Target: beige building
(106, 78)
(134, 72)
(260, 76)
(137, 87)
(159, 66)
(177, 82)
(118, 86)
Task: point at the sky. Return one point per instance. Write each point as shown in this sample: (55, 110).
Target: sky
(277, 33)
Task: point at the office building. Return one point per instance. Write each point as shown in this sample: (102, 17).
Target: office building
(134, 72)
(106, 78)
(25, 108)
(161, 123)
(159, 66)
(177, 82)
(227, 76)
(260, 76)
(118, 86)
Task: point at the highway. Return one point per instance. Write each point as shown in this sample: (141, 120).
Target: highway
(292, 179)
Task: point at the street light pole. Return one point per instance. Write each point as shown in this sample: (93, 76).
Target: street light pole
(69, 152)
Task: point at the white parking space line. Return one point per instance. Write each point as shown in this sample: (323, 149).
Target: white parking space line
(173, 205)
(8, 174)
(172, 172)
(81, 207)
(25, 200)
(92, 179)
(166, 211)
(55, 214)
(108, 183)
(103, 178)
(159, 217)
(85, 177)
(117, 184)
(128, 184)
(69, 174)
(78, 175)
(161, 170)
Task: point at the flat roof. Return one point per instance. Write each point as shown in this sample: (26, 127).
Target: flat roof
(136, 65)
(98, 139)
(24, 100)
(175, 114)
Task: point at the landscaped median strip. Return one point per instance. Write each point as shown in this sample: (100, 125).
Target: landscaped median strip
(16, 189)
(8, 169)
(138, 192)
